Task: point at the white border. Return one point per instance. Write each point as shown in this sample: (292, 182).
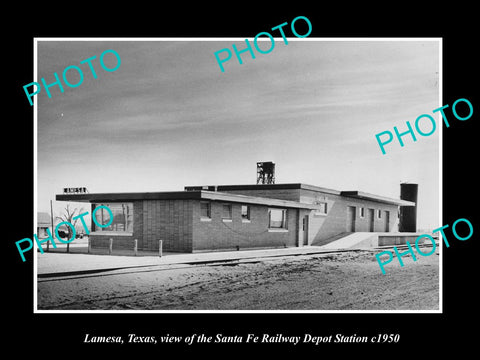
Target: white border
(35, 175)
(440, 175)
(35, 111)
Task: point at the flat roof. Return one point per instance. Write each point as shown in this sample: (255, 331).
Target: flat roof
(220, 196)
(105, 197)
(354, 194)
(377, 198)
(214, 192)
(262, 187)
(185, 195)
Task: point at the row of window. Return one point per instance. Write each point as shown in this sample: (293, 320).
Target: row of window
(123, 215)
(362, 213)
(277, 218)
(206, 212)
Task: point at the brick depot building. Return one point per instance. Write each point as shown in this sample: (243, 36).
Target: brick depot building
(232, 217)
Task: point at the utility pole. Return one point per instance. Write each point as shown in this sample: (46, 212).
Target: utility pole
(51, 219)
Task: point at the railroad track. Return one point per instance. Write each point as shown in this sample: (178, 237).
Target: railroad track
(62, 276)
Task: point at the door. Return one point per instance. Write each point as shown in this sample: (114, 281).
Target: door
(351, 219)
(371, 220)
(305, 230)
(387, 221)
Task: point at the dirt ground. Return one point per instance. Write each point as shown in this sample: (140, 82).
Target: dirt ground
(342, 281)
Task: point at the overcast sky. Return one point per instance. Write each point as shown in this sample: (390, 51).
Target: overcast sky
(168, 117)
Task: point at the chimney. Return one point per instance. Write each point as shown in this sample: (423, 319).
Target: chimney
(408, 214)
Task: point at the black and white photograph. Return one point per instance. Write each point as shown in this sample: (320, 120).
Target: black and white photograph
(281, 181)
(197, 219)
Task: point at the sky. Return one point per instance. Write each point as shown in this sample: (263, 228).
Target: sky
(168, 117)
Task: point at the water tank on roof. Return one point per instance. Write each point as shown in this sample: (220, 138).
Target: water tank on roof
(265, 172)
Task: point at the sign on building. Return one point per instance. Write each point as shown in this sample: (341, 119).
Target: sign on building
(75, 190)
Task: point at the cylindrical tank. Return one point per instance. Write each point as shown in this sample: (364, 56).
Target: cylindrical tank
(408, 214)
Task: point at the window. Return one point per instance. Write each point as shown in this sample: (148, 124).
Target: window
(362, 212)
(227, 212)
(379, 213)
(323, 208)
(122, 218)
(277, 218)
(245, 213)
(205, 210)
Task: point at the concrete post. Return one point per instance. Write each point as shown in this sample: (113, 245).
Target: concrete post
(135, 247)
(110, 246)
(160, 248)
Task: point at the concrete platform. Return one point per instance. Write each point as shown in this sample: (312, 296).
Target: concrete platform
(369, 240)
(61, 264)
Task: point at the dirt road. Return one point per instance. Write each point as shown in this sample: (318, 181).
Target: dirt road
(343, 281)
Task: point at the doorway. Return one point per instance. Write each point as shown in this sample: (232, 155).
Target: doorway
(351, 219)
(305, 230)
(387, 221)
(371, 220)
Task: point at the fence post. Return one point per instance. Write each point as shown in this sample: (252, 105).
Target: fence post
(135, 248)
(110, 246)
(89, 245)
(160, 248)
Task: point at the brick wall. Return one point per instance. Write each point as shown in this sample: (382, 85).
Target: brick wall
(153, 220)
(178, 223)
(170, 221)
(217, 234)
(323, 227)
(138, 222)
